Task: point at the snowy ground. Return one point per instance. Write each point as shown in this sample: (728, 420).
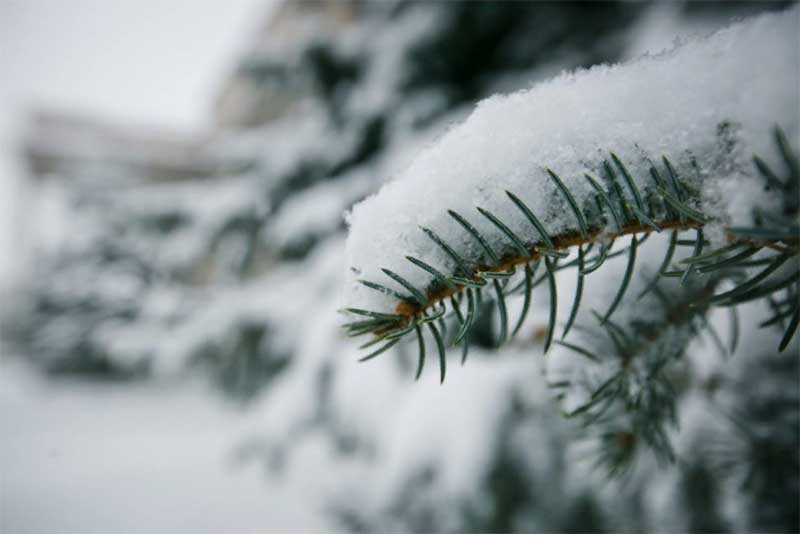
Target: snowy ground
(145, 458)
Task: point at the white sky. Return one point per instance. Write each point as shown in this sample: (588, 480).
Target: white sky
(155, 62)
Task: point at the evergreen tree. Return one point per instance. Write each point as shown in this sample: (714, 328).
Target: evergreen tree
(660, 405)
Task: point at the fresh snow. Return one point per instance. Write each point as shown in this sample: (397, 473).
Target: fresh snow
(676, 103)
(87, 458)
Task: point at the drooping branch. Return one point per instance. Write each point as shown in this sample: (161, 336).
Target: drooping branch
(673, 206)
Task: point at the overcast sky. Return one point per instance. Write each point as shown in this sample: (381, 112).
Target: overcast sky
(145, 60)
(155, 62)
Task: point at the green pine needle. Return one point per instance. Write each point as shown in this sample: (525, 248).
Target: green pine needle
(526, 303)
(501, 306)
(791, 329)
(625, 280)
(753, 282)
(601, 258)
(471, 311)
(418, 295)
(440, 346)
(551, 325)
(771, 178)
(682, 207)
(580, 350)
(474, 233)
(460, 262)
(517, 242)
(468, 282)
(385, 290)
(421, 351)
(607, 201)
(582, 226)
(381, 350)
(576, 303)
(532, 218)
(377, 315)
(442, 279)
(637, 197)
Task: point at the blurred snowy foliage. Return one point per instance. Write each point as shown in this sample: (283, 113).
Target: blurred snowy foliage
(238, 272)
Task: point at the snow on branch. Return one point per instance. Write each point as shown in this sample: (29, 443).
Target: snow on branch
(700, 138)
(707, 105)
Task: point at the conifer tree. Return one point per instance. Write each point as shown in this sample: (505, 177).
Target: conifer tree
(637, 225)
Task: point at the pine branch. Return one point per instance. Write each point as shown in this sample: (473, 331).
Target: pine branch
(674, 207)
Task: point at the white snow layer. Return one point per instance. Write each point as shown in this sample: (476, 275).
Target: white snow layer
(672, 104)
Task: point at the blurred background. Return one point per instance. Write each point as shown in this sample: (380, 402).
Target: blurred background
(173, 182)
